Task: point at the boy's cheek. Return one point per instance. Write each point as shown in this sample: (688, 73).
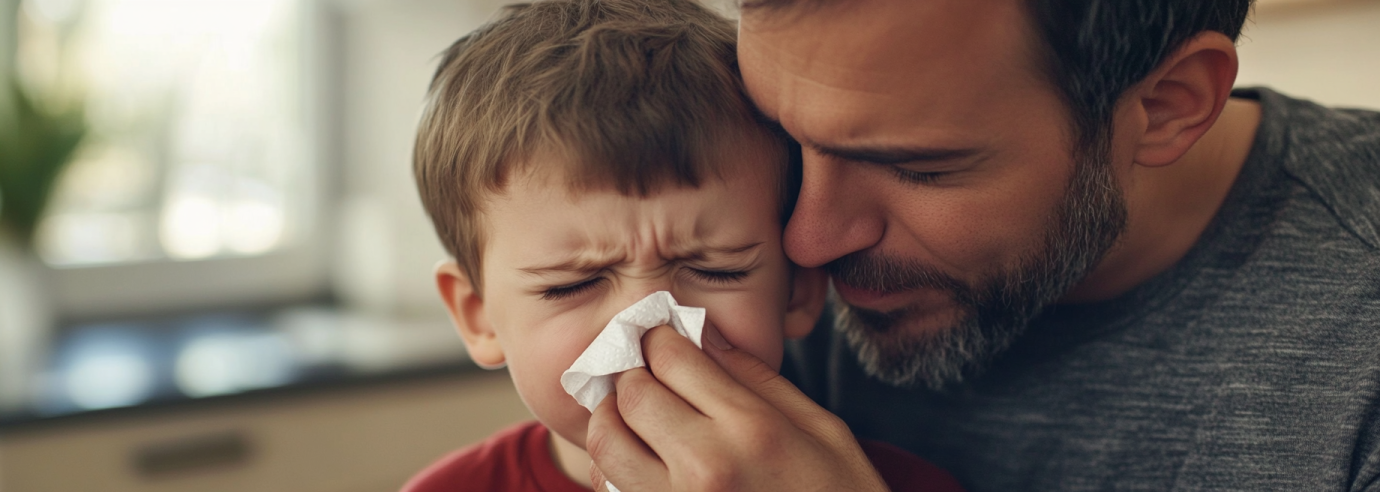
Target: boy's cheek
(545, 341)
(752, 323)
(544, 397)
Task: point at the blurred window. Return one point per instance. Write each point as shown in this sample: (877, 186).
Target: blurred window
(199, 144)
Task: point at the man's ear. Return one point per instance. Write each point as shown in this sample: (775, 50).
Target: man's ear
(466, 308)
(1182, 98)
(809, 287)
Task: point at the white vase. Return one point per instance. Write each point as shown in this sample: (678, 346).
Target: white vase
(26, 321)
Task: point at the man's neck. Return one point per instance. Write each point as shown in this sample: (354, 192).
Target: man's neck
(573, 460)
(1169, 207)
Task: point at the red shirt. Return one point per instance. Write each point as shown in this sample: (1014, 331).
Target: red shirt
(518, 459)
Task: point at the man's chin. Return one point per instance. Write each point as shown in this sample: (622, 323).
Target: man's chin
(931, 347)
(910, 322)
(921, 302)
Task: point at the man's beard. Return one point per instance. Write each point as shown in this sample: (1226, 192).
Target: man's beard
(995, 311)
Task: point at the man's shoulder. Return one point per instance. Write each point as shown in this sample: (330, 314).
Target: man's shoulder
(1302, 252)
(1335, 154)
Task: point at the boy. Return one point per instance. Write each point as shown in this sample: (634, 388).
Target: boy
(576, 156)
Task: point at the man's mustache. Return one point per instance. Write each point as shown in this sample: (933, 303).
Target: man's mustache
(878, 272)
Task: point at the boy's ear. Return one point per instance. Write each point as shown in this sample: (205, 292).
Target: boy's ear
(1182, 98)
(809, 287)
(467, 312)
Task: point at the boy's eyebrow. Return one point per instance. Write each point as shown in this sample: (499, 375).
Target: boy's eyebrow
(889, 155)
(711, 251)
(583, 264)
(575, 264)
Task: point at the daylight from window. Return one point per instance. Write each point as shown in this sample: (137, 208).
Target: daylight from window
(196, 141)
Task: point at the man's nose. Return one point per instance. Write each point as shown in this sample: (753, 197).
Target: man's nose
(834, 215)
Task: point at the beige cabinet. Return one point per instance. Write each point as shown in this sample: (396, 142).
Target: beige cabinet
(369, 437)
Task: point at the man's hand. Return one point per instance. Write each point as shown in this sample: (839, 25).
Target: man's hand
(690, 424)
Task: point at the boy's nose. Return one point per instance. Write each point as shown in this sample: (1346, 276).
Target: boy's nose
(641, 292)
(634, 290)
(631, 292)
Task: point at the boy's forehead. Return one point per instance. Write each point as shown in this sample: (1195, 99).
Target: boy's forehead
(542, 216)
(759, 159)
(553, 186)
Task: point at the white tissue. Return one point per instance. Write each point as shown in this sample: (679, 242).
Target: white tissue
(619, 347)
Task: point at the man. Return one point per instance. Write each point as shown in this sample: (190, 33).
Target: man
(1068, 257)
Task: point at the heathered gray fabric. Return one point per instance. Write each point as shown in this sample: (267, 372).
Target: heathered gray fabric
(1253, 364)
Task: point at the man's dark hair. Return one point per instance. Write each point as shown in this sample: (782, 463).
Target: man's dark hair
(1097, 49)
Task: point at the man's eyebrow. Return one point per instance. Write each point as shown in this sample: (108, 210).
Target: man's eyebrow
(891, 155)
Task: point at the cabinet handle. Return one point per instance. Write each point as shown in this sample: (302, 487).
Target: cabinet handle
(192, 453)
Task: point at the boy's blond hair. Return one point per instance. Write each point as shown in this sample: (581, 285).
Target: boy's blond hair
(632, 95)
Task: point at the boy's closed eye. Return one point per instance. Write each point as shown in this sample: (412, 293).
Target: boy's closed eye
(714, 277)
(722, 277)
(571, 290)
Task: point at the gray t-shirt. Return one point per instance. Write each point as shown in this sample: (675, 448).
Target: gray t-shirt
(1252, 364)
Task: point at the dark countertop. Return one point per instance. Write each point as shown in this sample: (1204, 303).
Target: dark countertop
(103, 369)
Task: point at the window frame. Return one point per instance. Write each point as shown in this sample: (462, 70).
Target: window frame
(294, 272)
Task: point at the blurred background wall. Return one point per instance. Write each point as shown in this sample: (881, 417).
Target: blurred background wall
(234, 267)
(1327, 51)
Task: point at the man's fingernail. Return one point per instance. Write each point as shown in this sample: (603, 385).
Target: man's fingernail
(712, 335)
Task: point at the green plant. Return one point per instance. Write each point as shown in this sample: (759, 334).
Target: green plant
(35, 144)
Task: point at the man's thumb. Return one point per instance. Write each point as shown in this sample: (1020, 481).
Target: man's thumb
(596, 479)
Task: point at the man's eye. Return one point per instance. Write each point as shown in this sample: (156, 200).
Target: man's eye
(567, 291)
(719, 276)
(915, 177)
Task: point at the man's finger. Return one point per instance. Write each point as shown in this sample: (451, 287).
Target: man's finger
(619, 455)
(693, 376)
(656, 413)
(597, 480)
(758, 377)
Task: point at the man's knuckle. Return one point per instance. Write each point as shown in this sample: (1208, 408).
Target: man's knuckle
(831, 427)
(754, 437)
(713, 473)
(632, 394)
(659, 337)
(762, 441)
(598, 440)
(758, 372)
(665, 359)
